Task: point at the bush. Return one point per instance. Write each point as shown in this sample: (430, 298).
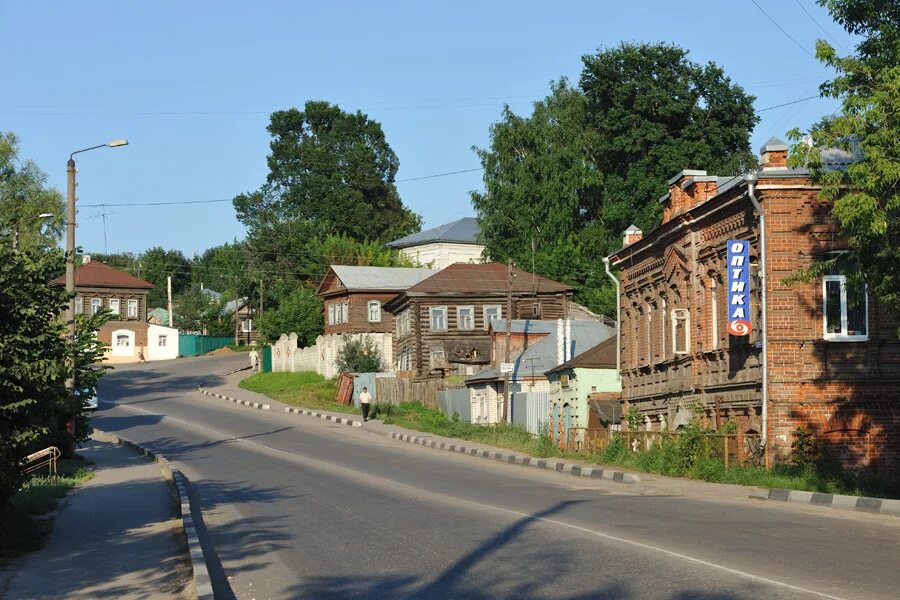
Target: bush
(359, 355)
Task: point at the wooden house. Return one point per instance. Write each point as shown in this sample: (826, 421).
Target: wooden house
(442, 323)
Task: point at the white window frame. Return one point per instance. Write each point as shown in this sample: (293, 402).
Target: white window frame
(96, 305)
(79, 305)
(650, 357)
(162, 339)
(345, 312)
(438, 351)
(246, 325)
(681, 313)
(376, 305)
(471, 310)
(120, 337)
(132, 314)
(843, 336)
(118, 306)
(714, 306)
(484, 313)
(431, 312)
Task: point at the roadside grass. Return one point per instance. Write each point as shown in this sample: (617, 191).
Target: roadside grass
(21, 530)
(305, 389)
(663, 459)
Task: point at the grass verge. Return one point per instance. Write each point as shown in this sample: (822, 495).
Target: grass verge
(20, 530)
(305, 389)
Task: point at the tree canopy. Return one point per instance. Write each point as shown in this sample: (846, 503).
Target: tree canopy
(333, 169)
(592, 159)
(865, 195)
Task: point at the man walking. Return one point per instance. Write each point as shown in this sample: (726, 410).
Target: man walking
(254, 359)
(365, 399)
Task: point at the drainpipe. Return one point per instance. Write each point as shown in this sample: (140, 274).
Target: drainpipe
(751, 192)
(618, 320)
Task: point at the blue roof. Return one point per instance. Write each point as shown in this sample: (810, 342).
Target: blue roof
(462, 231)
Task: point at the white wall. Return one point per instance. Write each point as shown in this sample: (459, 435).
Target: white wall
(123, 350)
(442, 254)
(287, 357)
(157, 352)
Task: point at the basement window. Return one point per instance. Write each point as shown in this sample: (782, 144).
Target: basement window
(845, 310)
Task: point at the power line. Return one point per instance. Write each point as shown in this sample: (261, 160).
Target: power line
(789, 36)
(813, 19)
(439, 175)
(788, 103)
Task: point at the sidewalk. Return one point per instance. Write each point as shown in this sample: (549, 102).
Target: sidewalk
(117, 536)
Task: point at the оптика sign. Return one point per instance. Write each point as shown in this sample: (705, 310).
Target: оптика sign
(739, 288)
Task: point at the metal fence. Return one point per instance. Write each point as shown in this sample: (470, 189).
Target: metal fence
(530, 410)
(192, 344)
(455, 401)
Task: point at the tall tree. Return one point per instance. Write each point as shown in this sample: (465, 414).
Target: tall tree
(331, 168)
(156, 265)
(563, 183)
(24, 196)
(865, 196)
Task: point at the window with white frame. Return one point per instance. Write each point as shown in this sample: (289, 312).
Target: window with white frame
(114, 306)
(681, 333)
(123, 340)
(162, 341)
(438, 318)
(465, 317)
(79, 305)
(374, 311)
(536, 309)
(492, 312)
(649, 333)
(246, 325)
(345, 312)
(845, 310)
(438, 357)
(132, 309)
(331, 314)
(96, 305)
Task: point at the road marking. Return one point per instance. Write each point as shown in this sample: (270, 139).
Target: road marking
(606, 536)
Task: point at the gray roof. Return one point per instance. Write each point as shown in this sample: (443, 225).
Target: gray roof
(380, 278)
(524, 325)
(230, 306)
(774, 145)
(211, 293)
(543, 356)
(463, 231)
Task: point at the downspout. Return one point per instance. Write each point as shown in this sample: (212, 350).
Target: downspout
(618, 320)
(751, 192)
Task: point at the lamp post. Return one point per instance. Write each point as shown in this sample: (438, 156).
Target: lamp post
(15, 228)
(70, 244)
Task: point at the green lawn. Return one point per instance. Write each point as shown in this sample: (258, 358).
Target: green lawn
(20, 531)
(305, 389)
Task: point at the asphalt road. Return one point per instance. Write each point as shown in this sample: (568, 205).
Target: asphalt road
(295, 507)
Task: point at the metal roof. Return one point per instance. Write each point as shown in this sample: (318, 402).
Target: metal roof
(542, 357)
(461, 231)
(380, 278)
(601, 356)
(97, 274)
(485, 278)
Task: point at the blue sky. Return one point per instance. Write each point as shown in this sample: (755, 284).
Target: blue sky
(191, 85)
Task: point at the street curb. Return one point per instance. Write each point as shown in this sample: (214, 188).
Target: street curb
(257, 405)
(202, 580)
(878, 506)
(312, 413)
(551, 464)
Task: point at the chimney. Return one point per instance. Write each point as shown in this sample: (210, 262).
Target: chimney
(85, 259)
(632, 235)
(560, 343)
(686, 190)
(774, 155)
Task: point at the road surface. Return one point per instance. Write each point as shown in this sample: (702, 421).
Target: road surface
(296, 507)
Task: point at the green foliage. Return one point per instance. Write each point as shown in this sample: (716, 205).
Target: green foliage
(359, 355)
(592, 159)
(24, 196)
(804, 449)
(331, 168)
(198, 311)
(300, 313)
(306, 389)
(864, 196)
(634, 418)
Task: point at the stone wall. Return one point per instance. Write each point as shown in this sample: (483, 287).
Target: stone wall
(319, 358)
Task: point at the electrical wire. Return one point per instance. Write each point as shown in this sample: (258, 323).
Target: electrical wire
(813, 19)
(782, 29)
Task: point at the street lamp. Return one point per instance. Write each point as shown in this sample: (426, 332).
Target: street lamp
(70, 243)
(15, 231)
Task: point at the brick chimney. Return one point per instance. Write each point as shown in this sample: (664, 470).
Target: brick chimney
(686, 190)
(632, 235)
(774, 155)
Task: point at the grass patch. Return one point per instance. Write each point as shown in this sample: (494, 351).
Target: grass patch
(20, 531)
(305, 389)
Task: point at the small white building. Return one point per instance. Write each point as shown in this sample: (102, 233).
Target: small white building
(162, 342)
(444, 245)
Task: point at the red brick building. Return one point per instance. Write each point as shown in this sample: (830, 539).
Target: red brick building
(833, 355)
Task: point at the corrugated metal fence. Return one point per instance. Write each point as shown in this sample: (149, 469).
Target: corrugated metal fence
(530, 410)
(455, 401)
(192, 344)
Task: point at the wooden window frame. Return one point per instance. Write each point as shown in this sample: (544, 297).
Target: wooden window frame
(431, 311)
(471, 310)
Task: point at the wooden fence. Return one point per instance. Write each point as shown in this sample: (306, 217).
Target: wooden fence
(394, 390)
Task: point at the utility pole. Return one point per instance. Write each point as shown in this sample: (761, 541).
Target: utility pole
(70, 267)
(260, 296)
(169, 286)
(509, 316)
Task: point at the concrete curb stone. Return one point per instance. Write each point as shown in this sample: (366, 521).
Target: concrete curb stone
(880, 506)
(313, 413)
(257, 405)
(202, 580)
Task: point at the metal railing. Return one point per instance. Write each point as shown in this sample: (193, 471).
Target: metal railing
(48, 457)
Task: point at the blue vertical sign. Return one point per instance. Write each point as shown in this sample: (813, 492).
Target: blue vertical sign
(739, 288)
